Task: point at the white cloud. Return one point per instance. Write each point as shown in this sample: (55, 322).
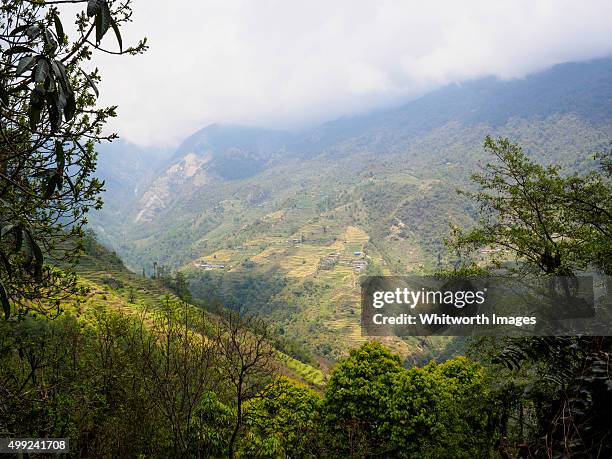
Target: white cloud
(285, 63)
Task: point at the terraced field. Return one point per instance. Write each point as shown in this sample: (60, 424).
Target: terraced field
(121, 290)
(322, 262)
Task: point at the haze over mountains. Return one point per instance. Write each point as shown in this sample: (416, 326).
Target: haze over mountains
(224, 153)
(358, 229)
(382, 183)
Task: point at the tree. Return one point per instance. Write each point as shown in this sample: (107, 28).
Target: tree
(284, 422)
(441, 411)
(80, 378)
(553, 224)
(179, 359)
(50, 126)
(212, 428)
(246, 361)
(358, 390)
(374, 407)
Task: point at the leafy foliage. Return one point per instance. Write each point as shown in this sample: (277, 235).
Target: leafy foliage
(442, 410)
(373, 406)
(553, 224)
(357, 389)
(284, 422)
(50, 125)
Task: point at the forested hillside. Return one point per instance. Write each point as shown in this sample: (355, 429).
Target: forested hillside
(272, 220)
(207, 302)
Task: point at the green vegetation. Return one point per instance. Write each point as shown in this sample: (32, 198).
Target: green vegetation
(107, 365)
(129, 359)
(50, 125)
(241, 337)
(554, 224)
(396, 211)
(155, 391)
(549, 224)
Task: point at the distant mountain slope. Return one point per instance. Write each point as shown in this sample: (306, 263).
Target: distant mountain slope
(213, 164)
(112, 287)
(258, 217)
(126, 170)
(583, 89)
(219, 138)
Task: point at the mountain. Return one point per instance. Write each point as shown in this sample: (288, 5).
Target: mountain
(113, 288)
(126, 170)
(272, 220)
(583, 89)
(209, 157)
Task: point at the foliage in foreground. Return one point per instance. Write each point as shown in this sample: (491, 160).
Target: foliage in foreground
(557, 397)
(119, 389)
(50, 125)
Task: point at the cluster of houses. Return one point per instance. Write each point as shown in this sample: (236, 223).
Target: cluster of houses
(332, 259)
(209, 266)
(329, 261)
(359, 265)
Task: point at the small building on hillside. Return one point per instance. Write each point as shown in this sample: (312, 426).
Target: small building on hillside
(329, 261)
(209, 266)
(359, 265)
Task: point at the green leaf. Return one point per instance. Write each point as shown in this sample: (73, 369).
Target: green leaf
(53, 106)
(117, 34)
(59, 28)
(60, 72)
(18, 49)
(38, 256)
(4, 95)
(50, 42)
(93, 6)
(18, 233)
(59, 181)
(7, 229)
(42, 71)
(60, 156)
(7, 264)
(19, 30)
(70, 109)
(37, 98)
(34, 117)
(91, 84)
(103, 21)
(36, 106)
(6, 306)
(25, 63)
(51, 183)
(61, 100)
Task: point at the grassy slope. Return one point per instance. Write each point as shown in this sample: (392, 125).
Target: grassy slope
(397, 206)
(318, 307)
(114, 287)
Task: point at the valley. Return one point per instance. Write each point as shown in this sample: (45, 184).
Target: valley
(110, 287)
(286, 224)
(305, 229)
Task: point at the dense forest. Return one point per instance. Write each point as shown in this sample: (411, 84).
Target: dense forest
(153, 364)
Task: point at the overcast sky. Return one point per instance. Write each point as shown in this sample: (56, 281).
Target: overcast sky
(287, 64)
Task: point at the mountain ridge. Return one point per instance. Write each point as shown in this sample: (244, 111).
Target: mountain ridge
(272, 220)
(222, 153)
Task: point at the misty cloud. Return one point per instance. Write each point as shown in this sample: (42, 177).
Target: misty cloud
(290, 63)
